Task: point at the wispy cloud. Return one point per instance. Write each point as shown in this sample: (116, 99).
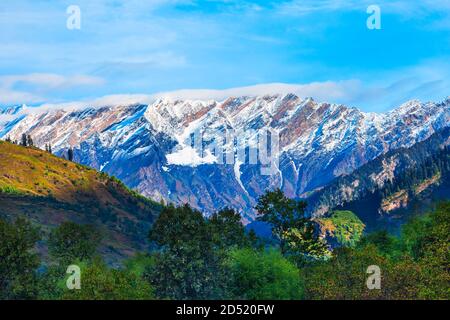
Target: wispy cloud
(427, 81)
(49, 80)
(164, 45)
(28, 88)
(406, 8)
(324, 91)
(140, 64)
(8, 96)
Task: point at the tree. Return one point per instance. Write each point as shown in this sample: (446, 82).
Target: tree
(24, 140)
(70, 154)
(426, 239)
(259, 275)
(139, 263)
(189, 261)
(344, 276)
(102, 283)
(227, 229)
(413, 266)
(72, 242)
(178, 224)
(51, 282)
(385, 243)
(48, 148)
(18, 261)
(30, 142)
(303, 245)
(290, 225)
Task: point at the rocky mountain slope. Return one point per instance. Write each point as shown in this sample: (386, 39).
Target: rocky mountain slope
(49, 190)
(387, 190)
(154, 148)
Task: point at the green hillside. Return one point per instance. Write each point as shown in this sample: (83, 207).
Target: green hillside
(49, 190)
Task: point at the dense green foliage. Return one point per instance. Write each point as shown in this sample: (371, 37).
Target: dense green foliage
(263, 275)
(191, 252)
(194, 257)
(73, 242)
(18, 261)
(413, 265)
(102, 283)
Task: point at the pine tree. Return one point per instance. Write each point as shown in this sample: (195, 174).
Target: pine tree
(30, 141)
(70, 154)
(24, 140)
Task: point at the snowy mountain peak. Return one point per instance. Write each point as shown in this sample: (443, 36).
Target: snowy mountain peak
(150, 146)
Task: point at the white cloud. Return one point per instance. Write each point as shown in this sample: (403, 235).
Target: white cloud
(28, 88)
(324, 91)
(159, 59)
(141, 64)
(106, 101)
(428, 14)
(404, 8)
(8, 96)
(49, 80)
(385, 90)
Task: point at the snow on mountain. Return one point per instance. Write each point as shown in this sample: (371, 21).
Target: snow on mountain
(155, 147)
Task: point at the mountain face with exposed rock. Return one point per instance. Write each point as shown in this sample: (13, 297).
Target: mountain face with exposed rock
(154, 147)
(387, 190)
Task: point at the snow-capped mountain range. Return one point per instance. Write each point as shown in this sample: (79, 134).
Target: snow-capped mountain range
(150, 146)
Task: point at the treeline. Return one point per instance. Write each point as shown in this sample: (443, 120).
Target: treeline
(27, 141)
(194, 257)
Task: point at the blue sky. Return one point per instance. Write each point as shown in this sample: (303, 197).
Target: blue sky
(145, 47)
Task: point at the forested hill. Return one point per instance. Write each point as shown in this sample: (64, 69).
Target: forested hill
(386, 190)
(49, 190)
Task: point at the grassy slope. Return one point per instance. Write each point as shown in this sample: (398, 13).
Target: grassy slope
(342, 227)
(49, 190)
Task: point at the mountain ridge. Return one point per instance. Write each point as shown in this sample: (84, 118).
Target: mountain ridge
(318, 142)
(393, 186)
